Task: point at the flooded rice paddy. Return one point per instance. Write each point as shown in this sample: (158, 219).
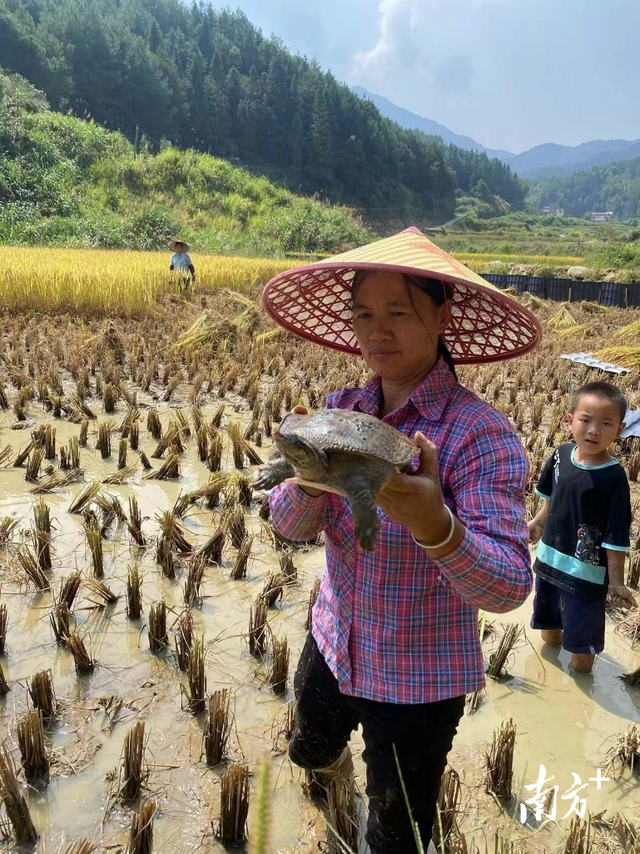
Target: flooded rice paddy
(564, 722)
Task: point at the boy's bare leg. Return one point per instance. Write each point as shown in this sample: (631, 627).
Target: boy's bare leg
(581, 663)
(553, 637)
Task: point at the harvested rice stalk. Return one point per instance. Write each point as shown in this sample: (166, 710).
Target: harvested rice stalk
(34, 572)
(134, 523)
(85, 496)
(626, 357)
(343, 815)
(313, 595)
(43, 696)
(7, 527)
(80, 846)
(625, 753)
(60, 622)
(193, 584)
(123, 474)
(158, 637)
(562, 319)
(239, 569)
(75, 645)
(133, 773)
(509, 639)
(216, 420)
(279, 671)
(34, 759)
(104, 440)
(134, 436)
(4, 685)
(238, 491)
(184, 640)
(50, 442)
(287, 568)
(579, 838)
(84, 433)
(122, 453)
(214, 452)
(197, 677)
(258, 628)
(630, 627)
(445, 826)
(134, 593)
(211, 551)
(273, 588)
(22, 456)
(499, 761)
(237, 444)
(171, 439)
(154, 425)
(3, 627)
(33, 465)
(141, 834)
(265, 510)
(5, 455)
(633, 466)
(52, 482)
(104, 594)
(633, 571)
(144, 459)
(170, 468)
(236, 526)
(234, 805)
(94, 541)
(217, 728)
(13, 801)
(42, 535)
(473, 701)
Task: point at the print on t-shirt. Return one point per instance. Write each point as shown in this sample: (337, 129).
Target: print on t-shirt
(587, 545)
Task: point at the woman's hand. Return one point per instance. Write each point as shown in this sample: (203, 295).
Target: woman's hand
(416, 502)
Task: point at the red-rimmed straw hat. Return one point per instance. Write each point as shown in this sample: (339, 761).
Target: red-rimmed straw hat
(314, 301)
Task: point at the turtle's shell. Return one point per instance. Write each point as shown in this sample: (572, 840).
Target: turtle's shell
(351, 432)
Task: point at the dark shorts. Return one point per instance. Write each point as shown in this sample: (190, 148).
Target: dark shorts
(581, 620)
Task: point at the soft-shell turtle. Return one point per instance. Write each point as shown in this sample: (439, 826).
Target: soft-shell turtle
(350, 453)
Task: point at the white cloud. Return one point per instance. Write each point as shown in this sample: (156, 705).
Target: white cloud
(398, 45)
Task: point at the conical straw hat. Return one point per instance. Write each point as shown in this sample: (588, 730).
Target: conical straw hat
(174, 241)
(314, 301)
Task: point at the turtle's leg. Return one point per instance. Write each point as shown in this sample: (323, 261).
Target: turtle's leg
(272, 473)
(362, 488)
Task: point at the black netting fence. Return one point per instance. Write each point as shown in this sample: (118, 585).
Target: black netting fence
(567, 290)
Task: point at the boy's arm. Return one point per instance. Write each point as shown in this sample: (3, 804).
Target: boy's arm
(619, 595)
(536, 525)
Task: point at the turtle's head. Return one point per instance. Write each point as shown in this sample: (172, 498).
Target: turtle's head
(309, 462)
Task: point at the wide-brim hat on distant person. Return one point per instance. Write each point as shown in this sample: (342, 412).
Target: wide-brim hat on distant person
(314, 301)
(174, 241)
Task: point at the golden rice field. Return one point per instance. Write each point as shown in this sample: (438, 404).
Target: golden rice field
(101, 283)
(128, 284)
(478, 262)
(151, 617)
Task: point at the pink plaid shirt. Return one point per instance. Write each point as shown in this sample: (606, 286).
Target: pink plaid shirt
(397, 626)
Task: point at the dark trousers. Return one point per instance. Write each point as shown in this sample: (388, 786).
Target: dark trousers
(422, 735)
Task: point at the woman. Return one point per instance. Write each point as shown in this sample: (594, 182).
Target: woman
(394, 639)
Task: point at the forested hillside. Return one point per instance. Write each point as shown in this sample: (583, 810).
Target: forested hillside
(69, 182)
(210, 81)
(615, 187)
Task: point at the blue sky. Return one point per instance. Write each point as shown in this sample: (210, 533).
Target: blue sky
(509, 73)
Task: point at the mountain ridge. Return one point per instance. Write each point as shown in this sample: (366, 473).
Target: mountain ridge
(548, 160)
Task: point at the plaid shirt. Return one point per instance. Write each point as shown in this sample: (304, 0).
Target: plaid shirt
(395, 625)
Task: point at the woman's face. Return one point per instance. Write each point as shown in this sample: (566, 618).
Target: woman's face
(397, 330)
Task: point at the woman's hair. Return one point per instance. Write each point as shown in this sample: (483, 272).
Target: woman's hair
(438, 291)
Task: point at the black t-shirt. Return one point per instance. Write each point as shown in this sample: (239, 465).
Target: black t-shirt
(590, 511)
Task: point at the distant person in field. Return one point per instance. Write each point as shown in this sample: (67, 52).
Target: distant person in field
(583, 527)
(181, 265)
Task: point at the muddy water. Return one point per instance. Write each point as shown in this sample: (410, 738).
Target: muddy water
(563, 721)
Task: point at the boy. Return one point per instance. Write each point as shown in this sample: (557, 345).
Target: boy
(584, 525)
